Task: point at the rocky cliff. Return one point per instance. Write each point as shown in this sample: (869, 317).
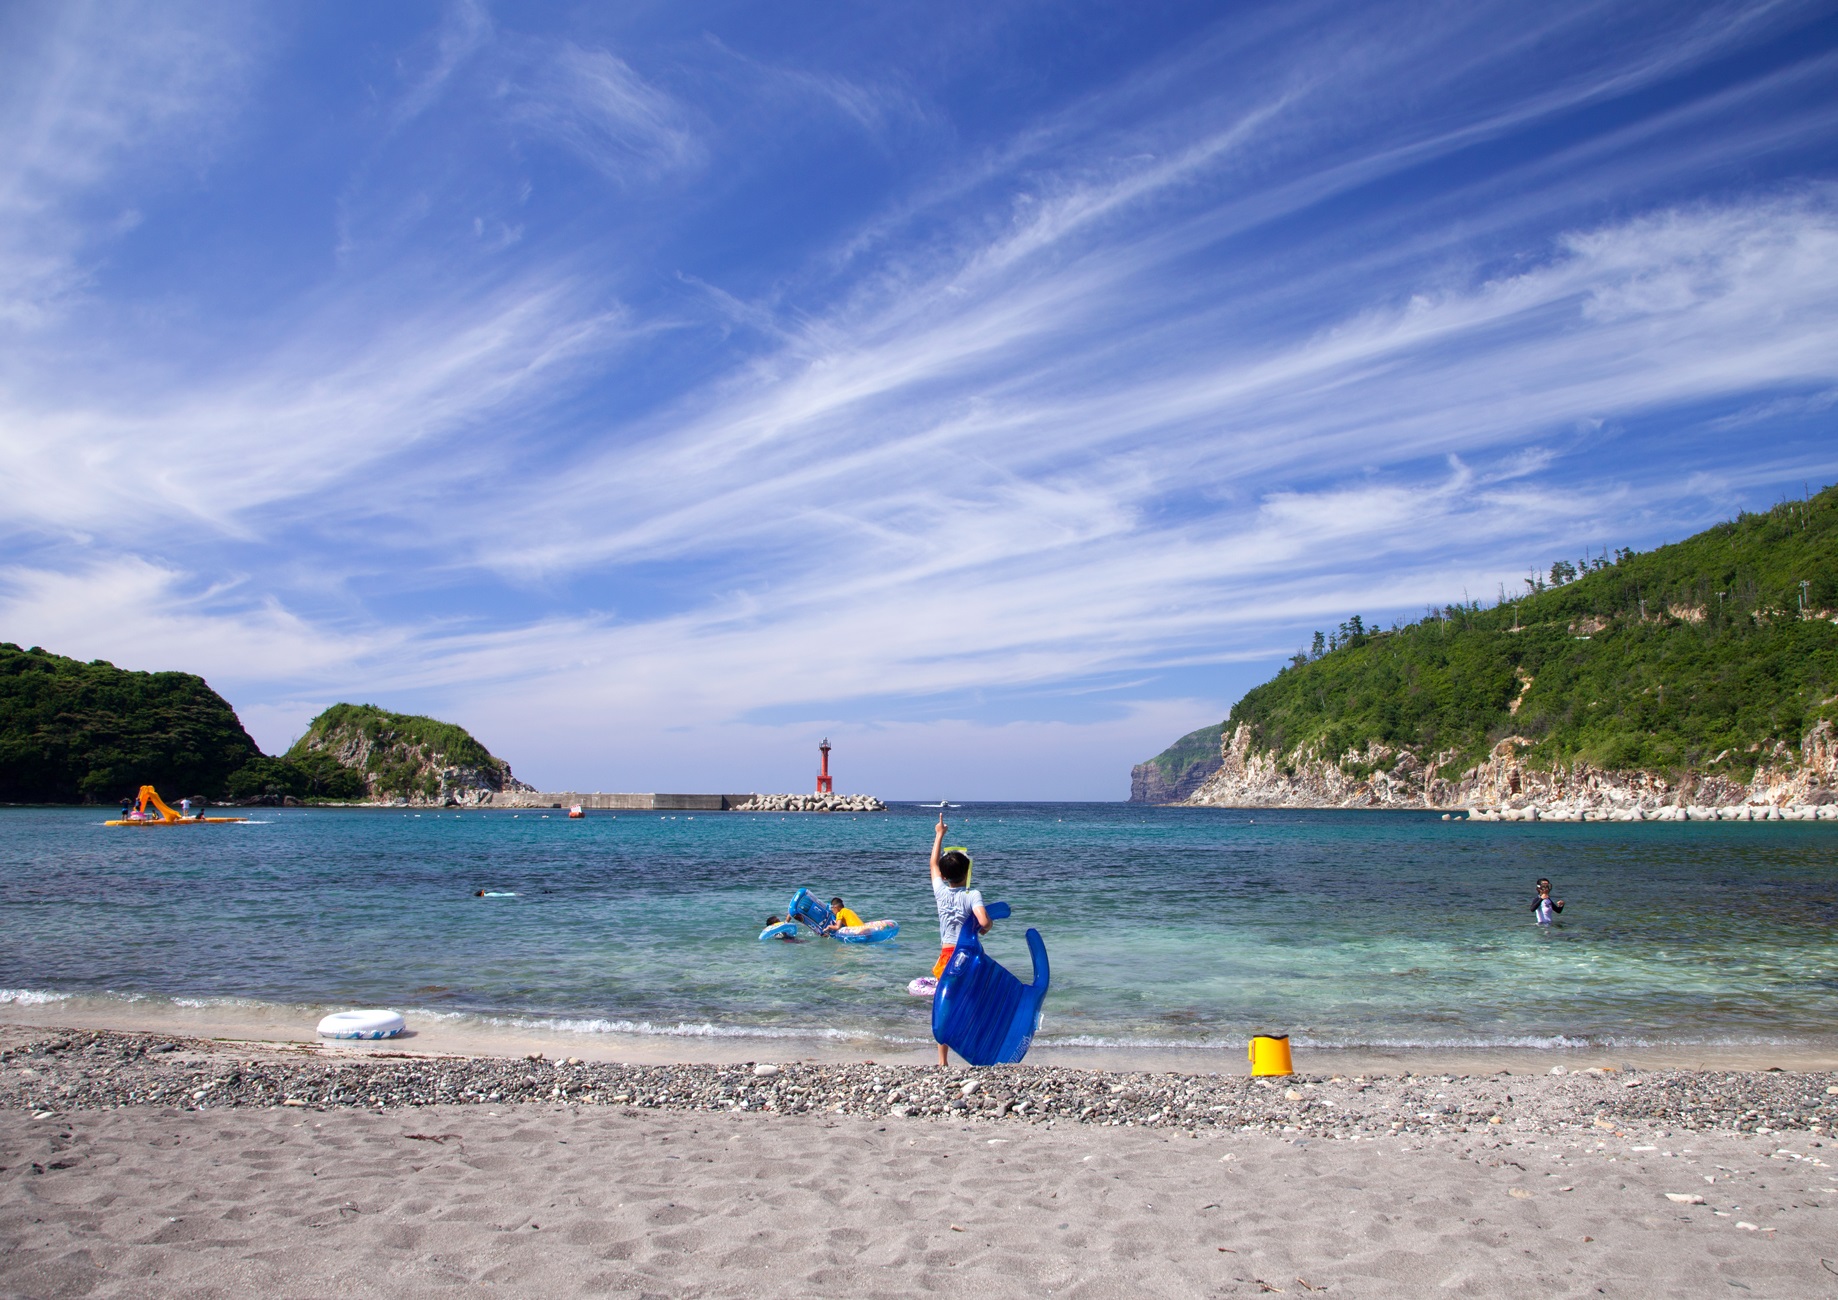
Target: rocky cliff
(1505, 784)
(1702, 674)
(407, 758)
(1178, 770)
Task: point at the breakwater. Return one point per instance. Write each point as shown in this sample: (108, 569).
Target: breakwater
(650, 802)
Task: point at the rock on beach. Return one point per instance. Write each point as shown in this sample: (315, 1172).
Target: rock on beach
(89, 1070)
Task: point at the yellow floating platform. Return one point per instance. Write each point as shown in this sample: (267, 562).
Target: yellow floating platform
(176, 821)
(150, 798)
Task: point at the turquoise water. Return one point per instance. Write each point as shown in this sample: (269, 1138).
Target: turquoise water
(1167, 927)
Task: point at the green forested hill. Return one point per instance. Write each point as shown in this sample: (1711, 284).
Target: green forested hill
(1695, 655)
(72, 731)
(402, 755)
(75, 732)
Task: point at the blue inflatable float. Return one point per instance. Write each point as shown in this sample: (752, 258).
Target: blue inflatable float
(806, 907)
(980, 1010)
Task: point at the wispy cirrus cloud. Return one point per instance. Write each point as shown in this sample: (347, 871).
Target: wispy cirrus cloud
(1297, 314)
(89, 91)
(591, 102)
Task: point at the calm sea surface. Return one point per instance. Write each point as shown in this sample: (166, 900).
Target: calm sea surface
(1178, 928)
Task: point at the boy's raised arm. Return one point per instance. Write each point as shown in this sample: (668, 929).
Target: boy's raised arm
(938, 839)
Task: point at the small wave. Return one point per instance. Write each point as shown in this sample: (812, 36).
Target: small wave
(682, 1029)
(213, 1003)
(31, 997)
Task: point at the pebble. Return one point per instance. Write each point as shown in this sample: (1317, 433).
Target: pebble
(63, 1071)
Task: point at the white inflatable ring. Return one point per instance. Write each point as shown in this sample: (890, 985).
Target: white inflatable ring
(362, 1024)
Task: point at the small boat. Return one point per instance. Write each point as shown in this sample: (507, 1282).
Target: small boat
(162, 815)
(576, 811)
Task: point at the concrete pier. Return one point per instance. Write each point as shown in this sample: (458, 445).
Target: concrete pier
(621, 802)
(685, 802)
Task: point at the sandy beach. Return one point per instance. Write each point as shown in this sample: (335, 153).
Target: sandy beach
(710, 1179)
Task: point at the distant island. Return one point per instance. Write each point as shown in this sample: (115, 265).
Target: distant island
(1704, 673)
(76, 732)
(390, 756)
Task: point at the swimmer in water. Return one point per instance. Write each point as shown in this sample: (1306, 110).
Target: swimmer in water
(1544, 907)
(782, 938)
(845, 917)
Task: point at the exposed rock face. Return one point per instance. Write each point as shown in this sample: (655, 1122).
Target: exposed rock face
(1384, 777)
(408, 759)
(1179, 770)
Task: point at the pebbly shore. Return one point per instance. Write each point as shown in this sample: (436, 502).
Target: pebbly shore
(1579, 812)
(47, 1071)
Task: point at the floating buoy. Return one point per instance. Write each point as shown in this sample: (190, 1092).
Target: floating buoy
(362, 1024)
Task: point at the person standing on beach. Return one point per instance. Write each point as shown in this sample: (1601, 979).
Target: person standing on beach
(958, 906)
(1544, 907)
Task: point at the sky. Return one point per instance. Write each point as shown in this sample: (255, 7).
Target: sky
(998, 389)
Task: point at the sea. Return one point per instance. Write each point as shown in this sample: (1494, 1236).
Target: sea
(1167, 928)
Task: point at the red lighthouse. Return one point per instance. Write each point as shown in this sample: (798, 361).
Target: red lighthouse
(823, 777)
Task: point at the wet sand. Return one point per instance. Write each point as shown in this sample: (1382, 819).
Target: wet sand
(254, 1022)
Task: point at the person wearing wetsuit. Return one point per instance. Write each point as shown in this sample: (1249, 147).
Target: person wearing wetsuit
(1544, 907)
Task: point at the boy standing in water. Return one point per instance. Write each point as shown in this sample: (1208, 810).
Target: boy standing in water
(958, 905)
(1544, 907)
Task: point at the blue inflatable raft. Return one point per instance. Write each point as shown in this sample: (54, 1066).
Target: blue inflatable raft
(806, 907)
(980, 1010)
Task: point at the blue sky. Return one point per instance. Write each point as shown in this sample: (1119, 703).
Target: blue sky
(999, 389)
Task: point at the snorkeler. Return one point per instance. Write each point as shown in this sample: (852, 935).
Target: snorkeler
(1544, 907)
(782, 938)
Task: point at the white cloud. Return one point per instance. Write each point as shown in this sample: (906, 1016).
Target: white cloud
(592, 102)
(93, 91)
(1058, 439)
(315, 415)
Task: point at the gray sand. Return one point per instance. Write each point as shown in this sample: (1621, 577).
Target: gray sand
(664, 1185)
(564, 1201)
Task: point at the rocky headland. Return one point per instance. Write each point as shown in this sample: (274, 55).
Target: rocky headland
(1697, 681)
(1785, 785)
(407, 759)
(1178, 771)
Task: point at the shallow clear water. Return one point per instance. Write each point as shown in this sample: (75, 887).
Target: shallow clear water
(1167, 927)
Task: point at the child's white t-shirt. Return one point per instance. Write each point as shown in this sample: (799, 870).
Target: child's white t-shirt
(955, 903)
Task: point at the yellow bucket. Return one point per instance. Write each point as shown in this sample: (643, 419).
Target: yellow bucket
(1270, 1054)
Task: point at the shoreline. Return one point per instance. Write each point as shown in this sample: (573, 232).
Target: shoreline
(59, 1070)
(252, 1022)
